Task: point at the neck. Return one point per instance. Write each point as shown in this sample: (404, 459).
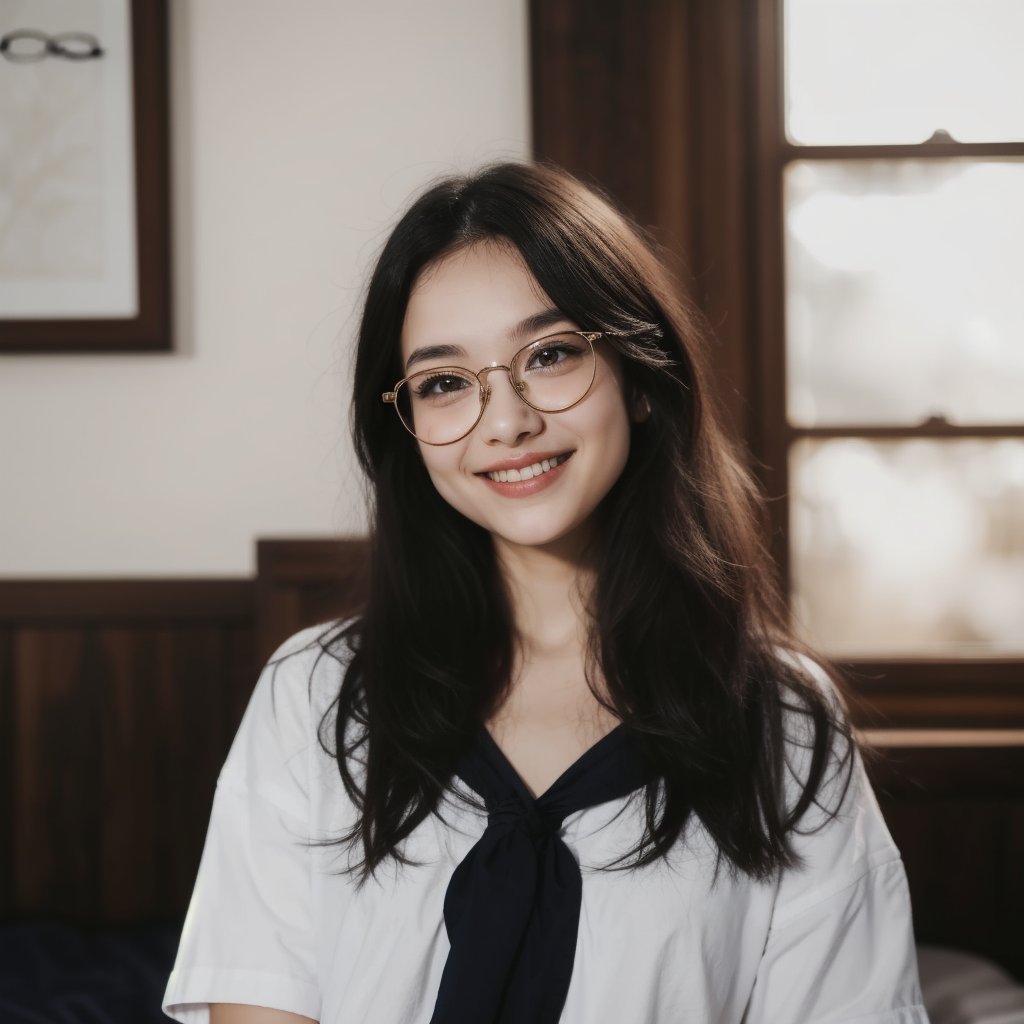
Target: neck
(549, 588)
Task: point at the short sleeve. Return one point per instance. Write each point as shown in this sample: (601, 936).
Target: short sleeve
(249, 932)
(841, 944)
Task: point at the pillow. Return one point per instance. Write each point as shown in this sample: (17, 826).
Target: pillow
(963, 988)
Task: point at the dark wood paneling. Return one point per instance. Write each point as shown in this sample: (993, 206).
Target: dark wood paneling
(957, 816)
(118, 703)
(8, 785)
(306, 582)
(616, 71)
(112, 734)
(922, 694)
(651, 100)
(51, 602)
(116, 719)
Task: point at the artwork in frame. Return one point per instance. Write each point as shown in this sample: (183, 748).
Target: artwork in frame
(84, 176)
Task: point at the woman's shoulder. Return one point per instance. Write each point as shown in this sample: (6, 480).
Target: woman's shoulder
(311, 663)
(294, 692)
(819, 745)
(331, 638)
(841, 837)
(814, 673)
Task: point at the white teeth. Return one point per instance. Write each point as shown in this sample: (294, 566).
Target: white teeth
(527, 472)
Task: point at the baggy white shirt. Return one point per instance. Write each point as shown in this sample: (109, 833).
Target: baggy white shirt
(273, 921)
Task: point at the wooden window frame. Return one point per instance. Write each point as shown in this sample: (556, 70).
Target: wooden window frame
(675, 107)
(916, 691)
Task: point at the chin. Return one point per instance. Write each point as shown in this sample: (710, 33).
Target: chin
(542, 536)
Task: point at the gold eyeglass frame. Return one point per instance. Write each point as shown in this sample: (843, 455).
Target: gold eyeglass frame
(519, 386)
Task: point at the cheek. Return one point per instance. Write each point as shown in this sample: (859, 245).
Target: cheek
(609, 427)
(621, 444)
(443, 465)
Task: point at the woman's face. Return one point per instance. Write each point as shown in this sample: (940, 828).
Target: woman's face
(476, 300)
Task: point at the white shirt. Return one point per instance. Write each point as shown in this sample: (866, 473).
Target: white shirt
(270, 924)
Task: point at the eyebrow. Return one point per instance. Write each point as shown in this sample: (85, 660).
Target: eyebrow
(530, 325)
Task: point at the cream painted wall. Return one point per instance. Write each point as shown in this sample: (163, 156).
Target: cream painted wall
(299, 132)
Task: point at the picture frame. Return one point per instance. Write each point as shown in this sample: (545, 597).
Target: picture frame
(112, 293)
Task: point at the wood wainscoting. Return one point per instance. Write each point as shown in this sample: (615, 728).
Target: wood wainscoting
(118, 702)
(119, 699)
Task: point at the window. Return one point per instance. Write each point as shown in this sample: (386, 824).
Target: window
(891, 225)
(843, 181)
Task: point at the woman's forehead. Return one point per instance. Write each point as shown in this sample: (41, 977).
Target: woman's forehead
(479, 292)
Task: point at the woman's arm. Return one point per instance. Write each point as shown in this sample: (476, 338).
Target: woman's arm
(250, 935)
(236, 1013)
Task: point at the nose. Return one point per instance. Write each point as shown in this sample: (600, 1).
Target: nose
(506, 419)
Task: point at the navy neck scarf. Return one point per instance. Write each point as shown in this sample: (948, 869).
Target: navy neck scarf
(512, 908)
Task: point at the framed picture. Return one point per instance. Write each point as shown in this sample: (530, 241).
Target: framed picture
(85, 256)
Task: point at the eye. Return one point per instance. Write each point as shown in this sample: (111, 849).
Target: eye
(439, 385)
(557, 354)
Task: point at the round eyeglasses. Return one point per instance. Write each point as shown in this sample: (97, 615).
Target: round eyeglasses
(442, 404)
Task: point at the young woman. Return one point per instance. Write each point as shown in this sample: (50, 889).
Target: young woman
(568, 764)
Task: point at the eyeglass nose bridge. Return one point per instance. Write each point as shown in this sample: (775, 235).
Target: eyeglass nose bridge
(485, 388)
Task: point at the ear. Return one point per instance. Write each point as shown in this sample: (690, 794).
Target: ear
(640, 407)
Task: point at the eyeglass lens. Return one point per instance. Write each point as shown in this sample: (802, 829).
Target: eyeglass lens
(443, 404)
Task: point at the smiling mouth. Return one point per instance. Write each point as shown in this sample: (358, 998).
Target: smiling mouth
(528, 472)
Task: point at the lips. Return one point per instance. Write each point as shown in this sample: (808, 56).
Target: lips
(515, 483)
(535, 469)
(521, 461)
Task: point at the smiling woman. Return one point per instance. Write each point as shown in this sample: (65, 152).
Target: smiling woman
(556, 399)
(568, 764)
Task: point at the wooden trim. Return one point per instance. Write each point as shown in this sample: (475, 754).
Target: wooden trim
(306, 582)
(150, 329)
(933, 428)
(308, 560)
(945, 771)
(938, 672)
(768, 342)
(922, 151)
(942, 738)
(937, 694)
(116, 601)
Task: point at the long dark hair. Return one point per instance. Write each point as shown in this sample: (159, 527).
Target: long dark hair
(687, 627)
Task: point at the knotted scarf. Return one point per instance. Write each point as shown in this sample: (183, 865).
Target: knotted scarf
(512, 908)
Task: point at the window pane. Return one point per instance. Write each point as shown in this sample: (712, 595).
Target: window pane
(890, 71)
(903, 287)
(909, 547)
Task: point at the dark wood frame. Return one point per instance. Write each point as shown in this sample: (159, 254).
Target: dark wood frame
(675, 107)
(905, 691)
(150, 330)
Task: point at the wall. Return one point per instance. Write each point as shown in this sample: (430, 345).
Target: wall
(299, 132)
